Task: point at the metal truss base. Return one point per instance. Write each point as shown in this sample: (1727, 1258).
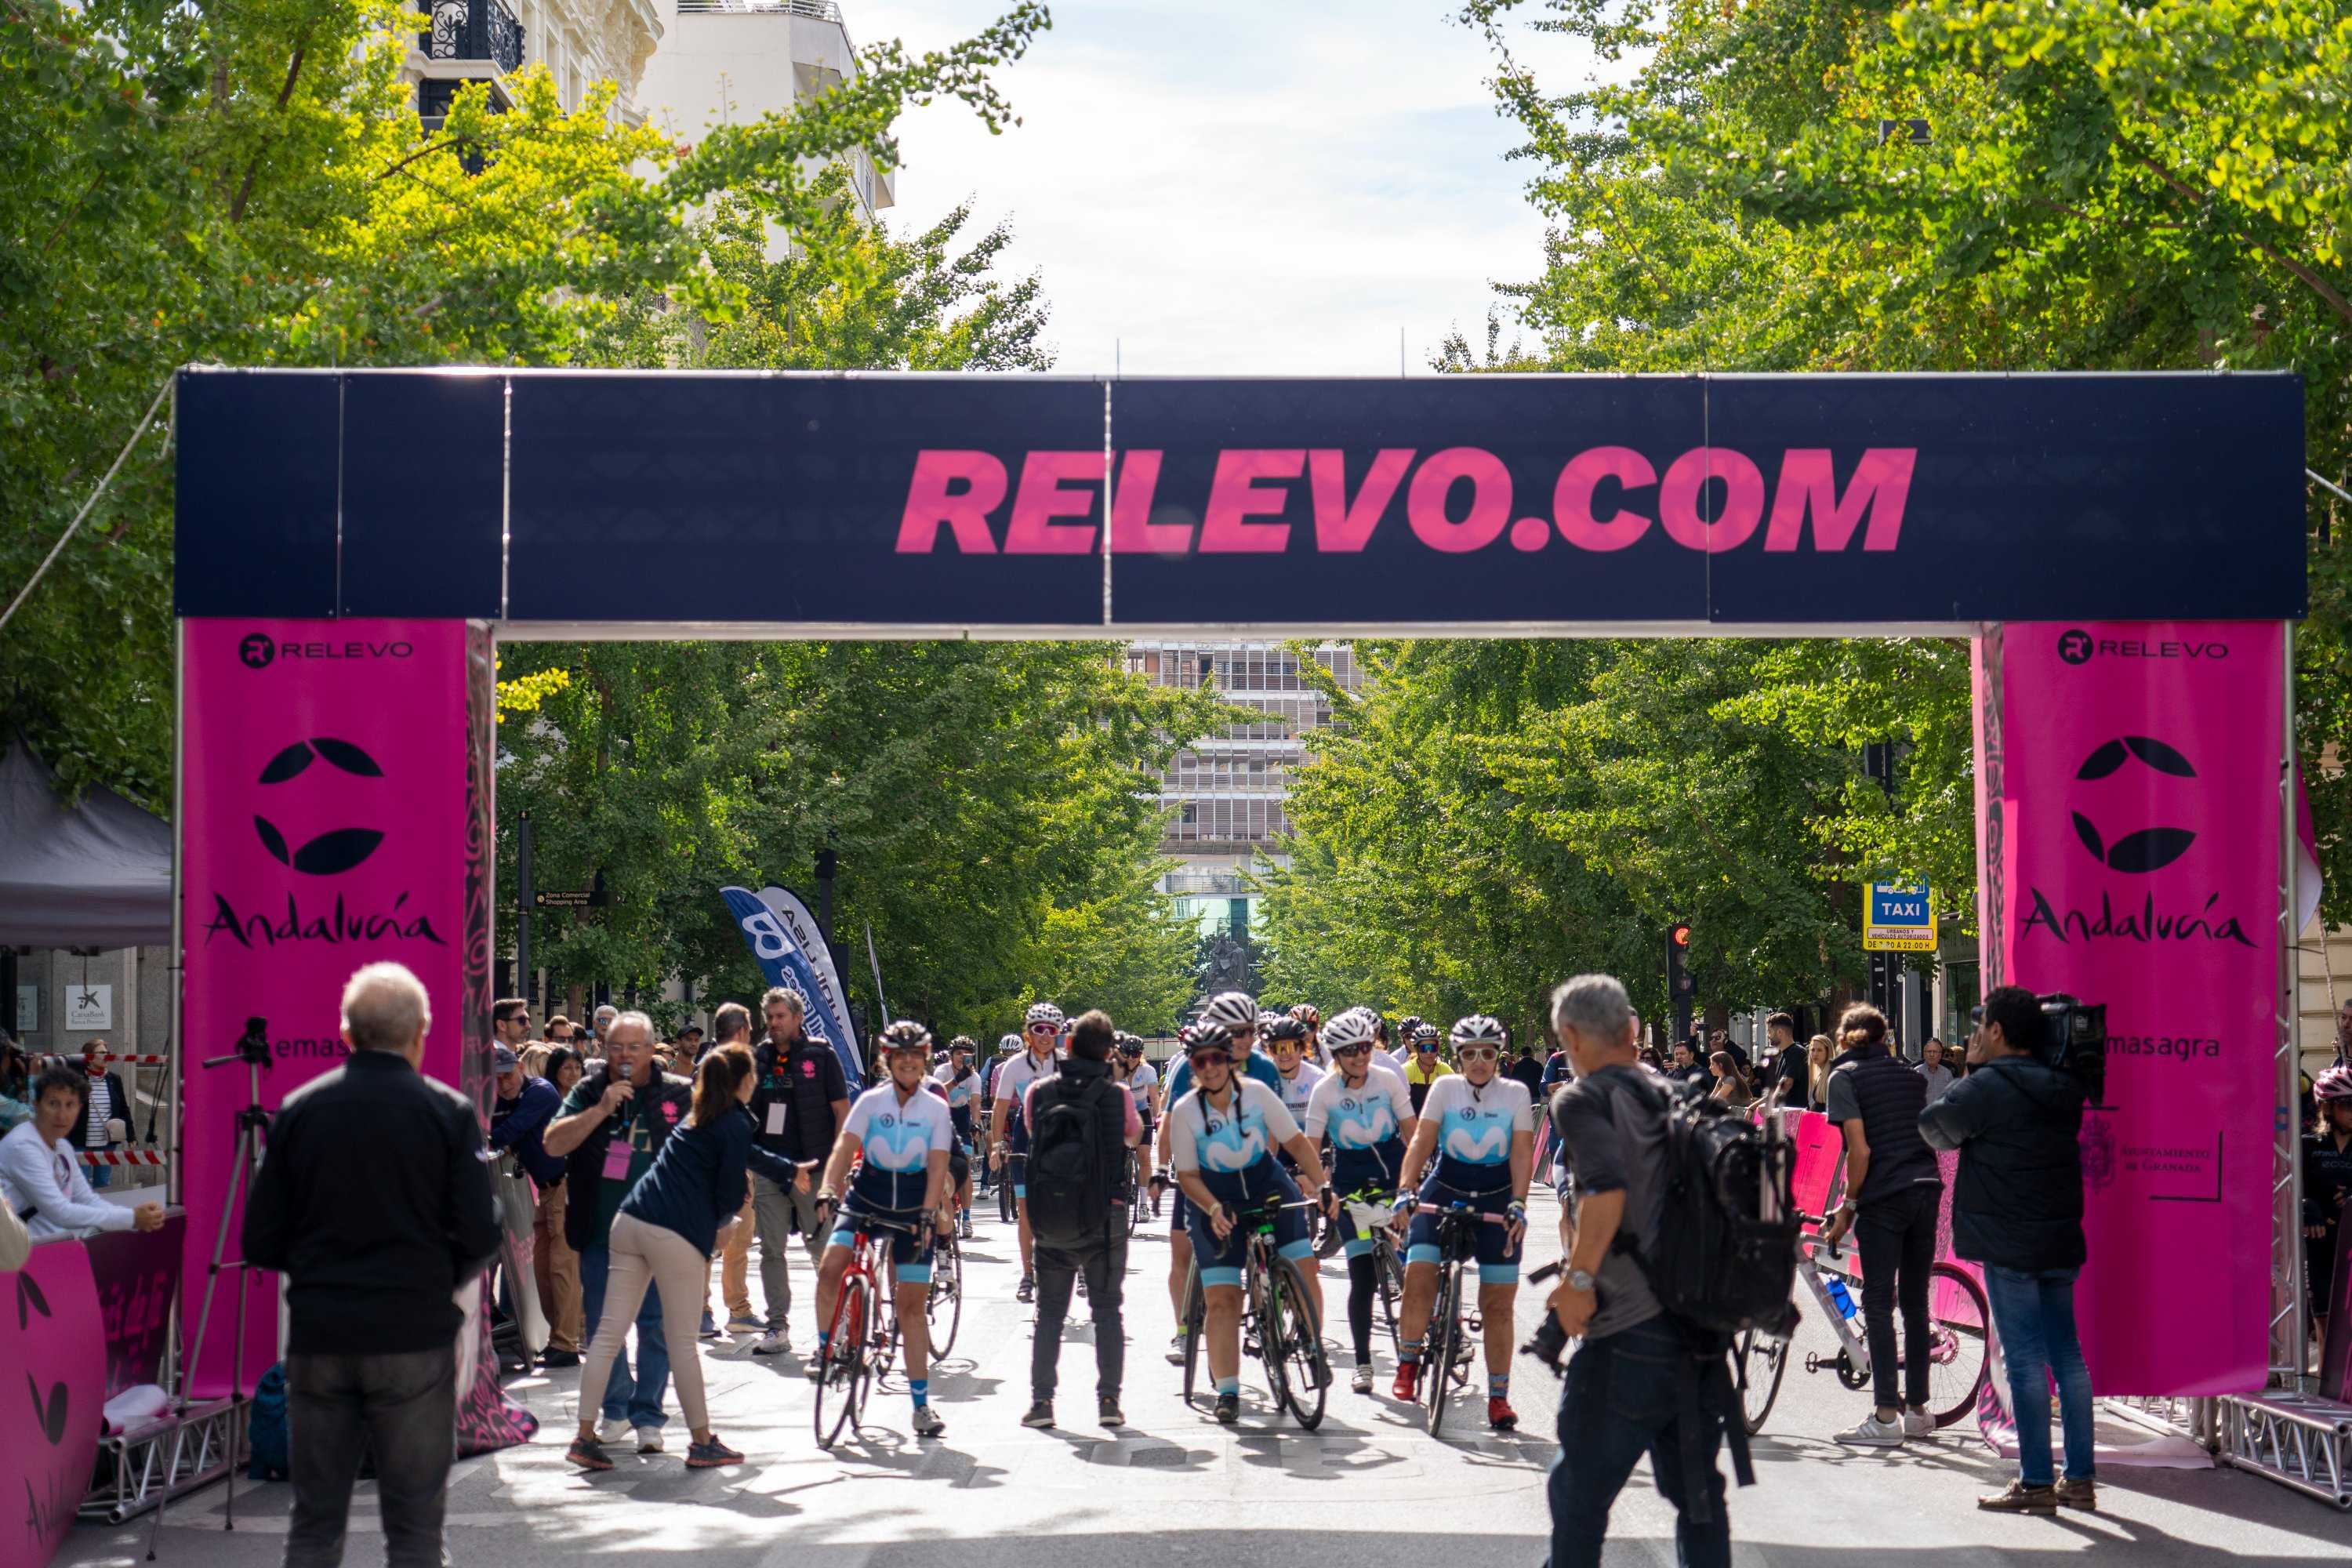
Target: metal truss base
(167, 1457)
(2298, 1440)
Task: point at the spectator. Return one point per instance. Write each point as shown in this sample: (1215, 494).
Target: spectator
(510, 1023)
(689, 1044)
(661, 1243)
(371, 1356)
(1894, 1190)
(610, 1130)
(1730, 1084)
(106, 1118)
(1102, 1262)
(799, 1104)
(1815, 1079)
(731, 1026)
(603, 1026)
(1931, 1069)
(1782, 1057)
(1530, 1071)
(2017, 1209)
(41, 1172)
(559, 1030)
(1635, 1362)
(2326, 1184)
(1721, 1040)
(554, 1264)
(1686, 1066)
(521, 1113)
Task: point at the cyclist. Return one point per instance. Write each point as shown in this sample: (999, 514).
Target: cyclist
(1009, 1145)
(1236, 1013)
(1142, 1081)
(1481, 1127)
(1361, 1106)
(1426, 1065)
(901, 1137)
(1311, 1016)
(1007, 1047)
(1407, 1027)
(1224, 1136)
(1286, 1040)
(959, 1086)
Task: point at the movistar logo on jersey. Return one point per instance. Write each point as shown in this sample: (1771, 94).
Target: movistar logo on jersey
(1476, 1136)
(1363, 1122)
(1233, 1143)
(896, 1143)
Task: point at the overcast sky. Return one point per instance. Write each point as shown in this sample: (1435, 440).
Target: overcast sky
(1239, 185)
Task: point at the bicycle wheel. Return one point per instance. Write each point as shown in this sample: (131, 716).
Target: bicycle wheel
(1388, 1274)
(945, 1303)
(1959, 1352)
(1307, 1378)
(1196, 1324)
(1762, 1360)
(1134, 1193)
(1437, 1356)
(1263, 1294)
(1004, 1191)
(839, 1381)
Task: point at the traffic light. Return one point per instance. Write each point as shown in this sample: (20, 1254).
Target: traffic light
(1679, 983)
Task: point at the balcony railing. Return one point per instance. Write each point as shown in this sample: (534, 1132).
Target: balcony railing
(816, 10)
(474, 30)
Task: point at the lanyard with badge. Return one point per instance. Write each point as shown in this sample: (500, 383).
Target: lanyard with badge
(622, 1146)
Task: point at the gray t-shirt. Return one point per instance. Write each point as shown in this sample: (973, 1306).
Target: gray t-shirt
(1611, 1128)
(1938, 1078)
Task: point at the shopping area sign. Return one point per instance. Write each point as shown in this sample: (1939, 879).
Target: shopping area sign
(1898, 916)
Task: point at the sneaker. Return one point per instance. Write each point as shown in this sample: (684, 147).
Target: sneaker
(1500, 1416)
(745, 1326)
(1176, 1350)
(1407, 1385)
(710, 1326)
(649, 1440)
(775, 1341)
(2021, 1499)
(560, 1358)
(614, 1429)
(963, 1225)
(929, 1422)
(1918, 1423)
(1041, 1414)
(2084, 1494)
(1228, 1409)
(588, 1454)
(1026, 1291)
(1362, 1382)
(1870, 1431)
(711, 1455)
(1107, 1412)
(816, 1369)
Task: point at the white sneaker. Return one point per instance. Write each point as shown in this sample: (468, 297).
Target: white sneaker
(1872, 1432)
(614, 1429)
(1176, 1351)
(1362, 1382)
(775, 1341)
(1918, 1423)
(929, 1423)
(649, 1440)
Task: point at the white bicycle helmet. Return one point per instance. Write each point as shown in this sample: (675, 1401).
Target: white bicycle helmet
(1236, 1010)
(1349, 1030)
(1478, 1029)
(1045, 1012)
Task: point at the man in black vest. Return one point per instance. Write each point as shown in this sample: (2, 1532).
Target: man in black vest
(1085, 1080)
(1893, 1189)
(798, 1104)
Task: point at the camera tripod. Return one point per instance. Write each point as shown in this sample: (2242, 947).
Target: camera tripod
(252, 1136)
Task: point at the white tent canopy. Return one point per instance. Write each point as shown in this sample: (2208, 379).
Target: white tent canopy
(94, 874)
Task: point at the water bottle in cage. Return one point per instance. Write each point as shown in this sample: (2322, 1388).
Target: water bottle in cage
(1843, 1297)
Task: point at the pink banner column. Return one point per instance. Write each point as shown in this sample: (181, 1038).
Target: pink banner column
(2128, 840)
(335, 811)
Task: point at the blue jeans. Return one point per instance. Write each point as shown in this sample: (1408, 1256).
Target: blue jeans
(2034, 1315)
(639, 1398)
(1622, 1397)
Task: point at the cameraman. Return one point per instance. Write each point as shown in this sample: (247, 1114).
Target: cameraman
(2017, 1209)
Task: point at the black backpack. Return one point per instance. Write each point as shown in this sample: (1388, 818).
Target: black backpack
(1074, 1169)
(1725, 1259)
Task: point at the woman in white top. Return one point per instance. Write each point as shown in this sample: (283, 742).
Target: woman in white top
(40, 1169)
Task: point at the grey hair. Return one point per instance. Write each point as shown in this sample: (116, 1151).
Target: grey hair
(632, 1019)
(606, 1008)
(1593, 1004)
(385, 1008)
(788, 996)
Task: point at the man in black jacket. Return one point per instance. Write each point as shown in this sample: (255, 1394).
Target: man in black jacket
(2017, 1209)
(799, 1101)
(1101, 1257)
(375, 1204)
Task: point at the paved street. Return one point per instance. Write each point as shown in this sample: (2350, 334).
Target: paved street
(1172, 1488)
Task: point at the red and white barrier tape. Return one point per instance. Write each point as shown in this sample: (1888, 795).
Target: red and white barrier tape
(111, 1058)
(122, 1157)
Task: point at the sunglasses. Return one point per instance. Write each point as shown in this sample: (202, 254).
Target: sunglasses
(1479, 1053)
(1352, 1051)
(1041, 1028)
(1206, 1058)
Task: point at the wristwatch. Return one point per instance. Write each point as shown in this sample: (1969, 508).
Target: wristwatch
(1580, 1280)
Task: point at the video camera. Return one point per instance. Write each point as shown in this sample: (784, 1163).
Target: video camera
(2075, 1040)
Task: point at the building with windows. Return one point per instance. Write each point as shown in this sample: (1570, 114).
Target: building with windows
(580, 42)
(1228, 790)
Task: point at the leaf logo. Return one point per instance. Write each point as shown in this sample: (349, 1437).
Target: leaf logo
(334, 852)
(29, 1300)
(50, 1414)
(2147, 848)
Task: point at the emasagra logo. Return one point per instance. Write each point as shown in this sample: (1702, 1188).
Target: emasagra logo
(339, 850)
(2143, 849)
